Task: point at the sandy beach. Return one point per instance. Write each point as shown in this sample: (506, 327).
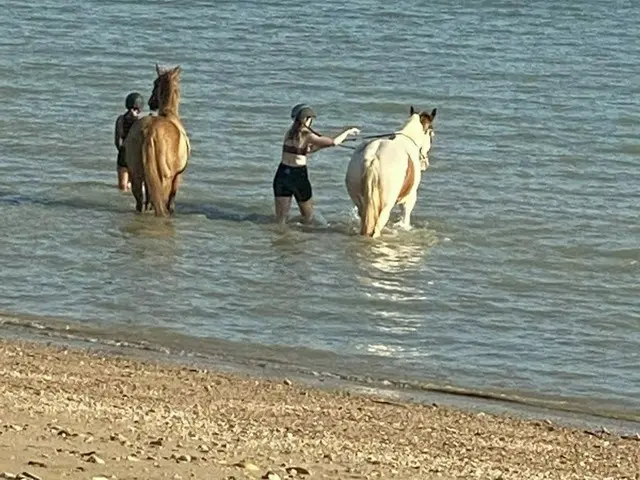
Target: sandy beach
(79, 414)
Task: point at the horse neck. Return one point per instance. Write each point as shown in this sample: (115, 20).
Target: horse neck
(171, 105)
(168, 112)
(413, 129)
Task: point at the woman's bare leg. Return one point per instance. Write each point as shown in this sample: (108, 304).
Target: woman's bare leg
(123, 179)
(283, 206)
(306, 209)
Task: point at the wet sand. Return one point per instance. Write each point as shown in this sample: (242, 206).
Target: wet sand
(79, 414)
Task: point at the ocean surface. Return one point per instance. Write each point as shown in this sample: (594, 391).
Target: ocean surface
(519, 280)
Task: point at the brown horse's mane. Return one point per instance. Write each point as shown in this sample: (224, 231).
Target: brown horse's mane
(167, 88)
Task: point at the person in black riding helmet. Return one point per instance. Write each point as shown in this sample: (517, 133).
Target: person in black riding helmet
(134, 104)
(291, 178)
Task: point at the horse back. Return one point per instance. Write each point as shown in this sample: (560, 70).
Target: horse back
(171, 144)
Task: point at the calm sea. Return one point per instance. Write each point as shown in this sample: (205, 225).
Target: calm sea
(520, 278)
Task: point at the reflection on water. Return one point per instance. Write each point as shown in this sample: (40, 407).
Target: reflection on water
(394, 255)
(149, 239)
(384, 350)
(148, 225)
(392, 272)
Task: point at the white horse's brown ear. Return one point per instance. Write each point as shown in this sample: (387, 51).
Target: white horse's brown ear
(433, 113)
(412, 110)
(425, 120)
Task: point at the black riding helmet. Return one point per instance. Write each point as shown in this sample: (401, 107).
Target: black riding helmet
(134, 100)
(302, 111)
(295, 110)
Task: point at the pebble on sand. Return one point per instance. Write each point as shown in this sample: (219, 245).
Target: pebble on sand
(247, 466)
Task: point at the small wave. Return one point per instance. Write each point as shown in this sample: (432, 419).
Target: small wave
(79, 203)
(552, 403)
(213, 212)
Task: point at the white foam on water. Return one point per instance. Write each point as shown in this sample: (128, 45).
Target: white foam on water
(318, 220)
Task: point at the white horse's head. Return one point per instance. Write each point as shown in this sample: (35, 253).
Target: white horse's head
(425, 133)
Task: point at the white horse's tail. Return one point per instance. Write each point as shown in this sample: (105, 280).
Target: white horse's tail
(371, 195)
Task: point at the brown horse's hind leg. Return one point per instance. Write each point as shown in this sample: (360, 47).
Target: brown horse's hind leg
(136, 189)
(175, 184)
(147, 198)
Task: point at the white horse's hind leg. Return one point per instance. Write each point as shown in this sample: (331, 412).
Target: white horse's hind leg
(390, 193)
(359, 207)
(382, 220)
(407, 208)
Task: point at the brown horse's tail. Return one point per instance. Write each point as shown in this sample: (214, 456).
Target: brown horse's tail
(371, 195)
(153, 176)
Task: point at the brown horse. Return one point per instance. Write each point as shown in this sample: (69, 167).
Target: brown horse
(157, 147)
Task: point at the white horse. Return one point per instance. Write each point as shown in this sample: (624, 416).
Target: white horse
(387, 171)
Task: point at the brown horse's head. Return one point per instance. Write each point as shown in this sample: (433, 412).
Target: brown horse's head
(165, 96)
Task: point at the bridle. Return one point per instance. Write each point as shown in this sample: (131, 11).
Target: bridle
(423, 156)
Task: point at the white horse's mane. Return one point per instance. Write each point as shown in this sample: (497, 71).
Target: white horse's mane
(413, 128)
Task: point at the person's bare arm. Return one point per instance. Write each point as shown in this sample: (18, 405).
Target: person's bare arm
(118, 132)
(318, 142)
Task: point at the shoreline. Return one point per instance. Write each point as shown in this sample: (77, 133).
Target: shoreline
(63, 406)
(270, 362)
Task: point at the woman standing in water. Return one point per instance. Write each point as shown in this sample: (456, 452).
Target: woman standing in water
(291, 178)
(134, 104)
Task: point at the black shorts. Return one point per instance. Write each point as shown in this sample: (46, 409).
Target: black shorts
(290, 181)
(122, 162)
